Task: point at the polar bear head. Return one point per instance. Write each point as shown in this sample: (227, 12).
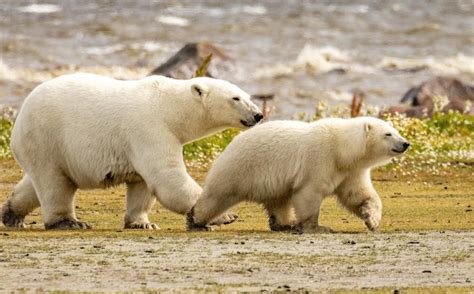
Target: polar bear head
(383, 142)
(225, 103)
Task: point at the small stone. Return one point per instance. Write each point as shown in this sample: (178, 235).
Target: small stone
(286, 286)
(427, 272)
(413, 242)
(350, 242)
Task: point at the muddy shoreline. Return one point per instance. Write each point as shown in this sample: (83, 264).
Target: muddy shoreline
(248, 262)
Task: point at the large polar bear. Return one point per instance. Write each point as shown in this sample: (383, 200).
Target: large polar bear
(89, 131)
(292, 166)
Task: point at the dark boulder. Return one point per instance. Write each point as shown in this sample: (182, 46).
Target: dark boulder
(420, 99)
(184, 63)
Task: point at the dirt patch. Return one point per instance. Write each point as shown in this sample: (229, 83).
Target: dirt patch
(244, 262)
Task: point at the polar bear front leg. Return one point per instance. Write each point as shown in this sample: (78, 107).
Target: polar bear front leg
(371, 212)
(209, 207)
(139, 203)
(359, 196)
(307, 204)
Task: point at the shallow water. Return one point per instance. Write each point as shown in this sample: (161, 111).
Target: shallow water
(289, 48)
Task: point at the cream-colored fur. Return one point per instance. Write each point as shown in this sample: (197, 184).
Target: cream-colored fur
(288, 165)
(88, 131)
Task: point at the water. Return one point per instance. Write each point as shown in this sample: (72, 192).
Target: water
(289, 48)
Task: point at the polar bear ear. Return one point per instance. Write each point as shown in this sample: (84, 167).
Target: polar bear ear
(367, 127)
(199, 92)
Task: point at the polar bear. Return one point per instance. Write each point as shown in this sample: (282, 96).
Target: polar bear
(291, 166)
(88, 131)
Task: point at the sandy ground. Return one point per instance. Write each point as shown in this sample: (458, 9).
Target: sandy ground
(251, 262)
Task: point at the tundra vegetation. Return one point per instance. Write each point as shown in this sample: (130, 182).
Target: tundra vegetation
(424, 243)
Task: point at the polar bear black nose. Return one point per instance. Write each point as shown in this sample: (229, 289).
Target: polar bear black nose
(406, 145)
(258, 117)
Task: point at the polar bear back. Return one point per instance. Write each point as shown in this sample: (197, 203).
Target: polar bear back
(87, 124)
(276, 158)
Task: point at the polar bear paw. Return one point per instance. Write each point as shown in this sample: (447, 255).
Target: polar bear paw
(371, 222)
(68, 224)
(193, 226)
(141, 226)
(276, 227)
(371, 216)
(225, 219)
(9, 218)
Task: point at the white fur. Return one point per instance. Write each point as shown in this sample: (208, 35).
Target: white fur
(89, 131)
(291, 164)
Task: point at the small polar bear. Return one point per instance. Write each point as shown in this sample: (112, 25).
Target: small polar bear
(291, 166)
(88, 131)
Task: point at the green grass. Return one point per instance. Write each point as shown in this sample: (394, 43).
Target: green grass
(426, 203)
(6, 127)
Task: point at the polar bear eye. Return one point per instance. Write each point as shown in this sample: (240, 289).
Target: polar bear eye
(388, 135)
(236, 98)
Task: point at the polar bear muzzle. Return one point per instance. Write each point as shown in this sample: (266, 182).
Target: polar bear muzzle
(251, 122)
(401, 147)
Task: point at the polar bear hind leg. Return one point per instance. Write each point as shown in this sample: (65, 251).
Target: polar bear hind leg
(307, 203)
(140, 201)
(22, 201)
(56, 195)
